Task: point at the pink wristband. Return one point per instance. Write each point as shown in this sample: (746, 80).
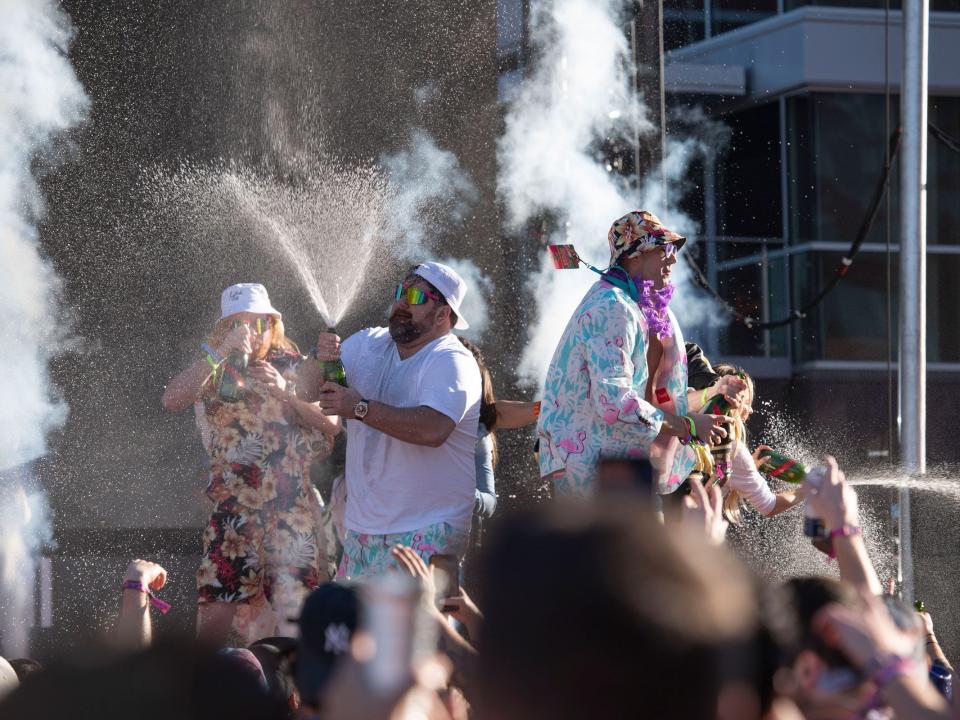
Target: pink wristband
(155, 601)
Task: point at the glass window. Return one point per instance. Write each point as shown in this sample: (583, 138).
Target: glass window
(943, 175)
(682, 23)
(743, 287)
(935, 5)
(851, 322)
(836, 145)
(835, 159)
(748, 175)
(727, 15)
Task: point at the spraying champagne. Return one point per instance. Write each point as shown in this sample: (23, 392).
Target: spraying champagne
(331, 370)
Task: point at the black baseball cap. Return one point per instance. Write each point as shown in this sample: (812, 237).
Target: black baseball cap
(327, 622)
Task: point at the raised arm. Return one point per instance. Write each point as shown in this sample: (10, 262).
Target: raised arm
(513, 414)
(134, 627)
(187, 387)
(836, 503)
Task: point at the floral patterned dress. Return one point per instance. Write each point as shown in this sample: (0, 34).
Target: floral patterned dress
(263, 547)
(594, 398)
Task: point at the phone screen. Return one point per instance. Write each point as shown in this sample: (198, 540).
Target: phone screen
(445, 571)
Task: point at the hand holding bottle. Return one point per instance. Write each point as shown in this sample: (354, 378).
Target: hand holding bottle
(239, 338)
(730, 386)
(328, 346)
(760, 454)
(710, 428)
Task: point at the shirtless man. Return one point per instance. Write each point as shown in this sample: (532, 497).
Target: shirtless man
(617, 383)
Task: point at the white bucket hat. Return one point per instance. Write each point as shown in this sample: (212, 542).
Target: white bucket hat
(445, 279)
(246, 297)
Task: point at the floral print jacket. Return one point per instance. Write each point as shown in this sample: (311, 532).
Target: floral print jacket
(593, 402)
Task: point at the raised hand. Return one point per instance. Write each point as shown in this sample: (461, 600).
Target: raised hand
(710, 428)
(149, 573)
(239, 338)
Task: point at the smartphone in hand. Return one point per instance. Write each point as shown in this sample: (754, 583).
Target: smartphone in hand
(446, 579)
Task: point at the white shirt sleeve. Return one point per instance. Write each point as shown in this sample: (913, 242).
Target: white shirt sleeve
(745, 478)
(451, 383)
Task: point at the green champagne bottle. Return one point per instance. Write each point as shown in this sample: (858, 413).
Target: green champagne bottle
(784, 468)
(231, 386)
(717, 405)
(332, 370)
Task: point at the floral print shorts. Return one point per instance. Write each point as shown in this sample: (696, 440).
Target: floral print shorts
(366, 555)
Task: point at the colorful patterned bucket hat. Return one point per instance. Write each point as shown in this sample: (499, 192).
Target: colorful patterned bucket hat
(637, 232)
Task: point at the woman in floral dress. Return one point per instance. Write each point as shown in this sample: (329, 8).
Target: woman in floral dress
(263, 547)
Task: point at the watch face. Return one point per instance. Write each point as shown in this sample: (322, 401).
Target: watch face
(360, 409)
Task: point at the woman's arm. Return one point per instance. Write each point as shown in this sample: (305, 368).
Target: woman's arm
(786, 500)
(486, 495)
(313, 416)
(751, 484)
(187, 387)
(513, 414)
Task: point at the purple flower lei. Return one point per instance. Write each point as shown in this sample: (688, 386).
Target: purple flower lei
(654, 304)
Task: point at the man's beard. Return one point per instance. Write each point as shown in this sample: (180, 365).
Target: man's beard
(403, 330)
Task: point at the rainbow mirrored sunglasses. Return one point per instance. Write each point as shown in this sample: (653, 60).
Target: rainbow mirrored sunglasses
(414, 295)
(669, 250)
(259, 326)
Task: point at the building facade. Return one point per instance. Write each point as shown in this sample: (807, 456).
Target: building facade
(810, 92)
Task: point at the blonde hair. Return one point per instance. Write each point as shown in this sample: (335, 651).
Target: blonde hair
(733, 502)
(278, 338)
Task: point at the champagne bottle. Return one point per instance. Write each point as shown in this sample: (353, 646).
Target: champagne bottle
(332, 370)
(722, 449)
(777, 465)
(717, 405)
(232, 386)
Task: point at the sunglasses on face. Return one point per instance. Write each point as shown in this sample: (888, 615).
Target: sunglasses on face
(258, 326)
(414, 295)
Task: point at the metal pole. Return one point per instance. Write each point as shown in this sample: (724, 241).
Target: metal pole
(710, 230)
(913, 265)
(648, 57)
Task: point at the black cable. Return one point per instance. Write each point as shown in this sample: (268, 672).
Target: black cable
(842, 269)
(949, 141)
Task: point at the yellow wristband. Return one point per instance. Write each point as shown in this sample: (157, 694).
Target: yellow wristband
(703, 397)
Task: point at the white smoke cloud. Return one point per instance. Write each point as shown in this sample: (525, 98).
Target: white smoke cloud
(475, 304)
(579, 93)
(41, 98)
(430, 191)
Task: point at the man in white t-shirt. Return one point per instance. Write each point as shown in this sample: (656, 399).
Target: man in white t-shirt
(412, 408)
